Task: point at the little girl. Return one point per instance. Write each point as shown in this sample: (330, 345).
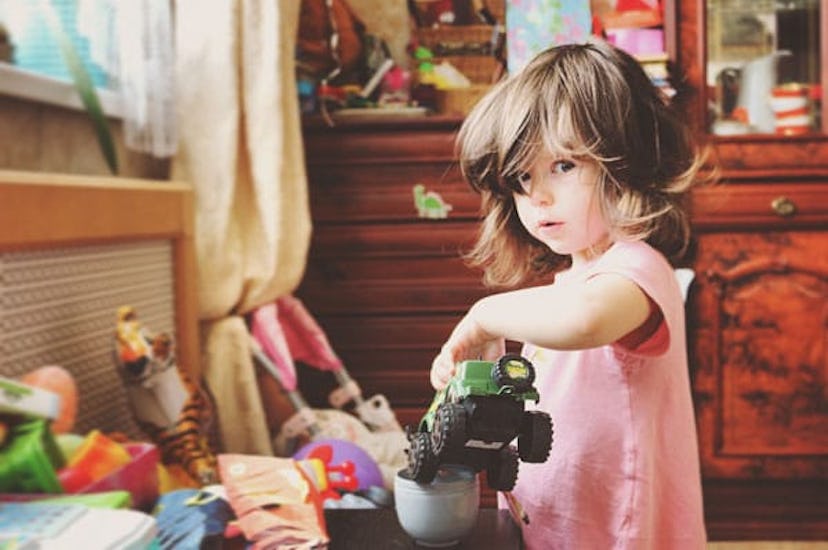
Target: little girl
(583, 172)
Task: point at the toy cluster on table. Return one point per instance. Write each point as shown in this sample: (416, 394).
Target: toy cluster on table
(59, 488)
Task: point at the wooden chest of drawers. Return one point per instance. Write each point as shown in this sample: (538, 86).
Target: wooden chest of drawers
(387, 285)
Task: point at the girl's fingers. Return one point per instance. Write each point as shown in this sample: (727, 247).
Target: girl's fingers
(442, 370)
(493, 349)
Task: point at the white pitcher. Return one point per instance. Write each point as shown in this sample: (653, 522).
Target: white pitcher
(758, 78)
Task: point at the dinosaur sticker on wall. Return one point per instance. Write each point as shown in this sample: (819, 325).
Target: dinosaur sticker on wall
(430, 204)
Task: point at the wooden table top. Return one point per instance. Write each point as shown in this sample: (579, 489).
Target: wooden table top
(379, 529)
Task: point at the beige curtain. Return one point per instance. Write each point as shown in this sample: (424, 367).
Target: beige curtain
(241, 149)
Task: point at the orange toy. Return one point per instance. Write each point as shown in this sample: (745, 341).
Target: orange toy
(60, 381)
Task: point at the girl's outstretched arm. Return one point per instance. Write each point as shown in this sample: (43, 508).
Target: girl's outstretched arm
(597, 312)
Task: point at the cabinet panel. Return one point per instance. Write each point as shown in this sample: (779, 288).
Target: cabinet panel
(403, 298)
(355, 269)
(358, 143)
(761, 386)
(396, 240)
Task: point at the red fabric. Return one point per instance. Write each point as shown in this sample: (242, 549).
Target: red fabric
(634, 5)
(277, 505)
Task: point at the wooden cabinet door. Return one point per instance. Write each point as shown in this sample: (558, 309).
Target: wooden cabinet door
(759, 354)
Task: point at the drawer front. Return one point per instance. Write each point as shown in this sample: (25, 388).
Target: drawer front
(760, 206)
(381, 192)
(389, 145)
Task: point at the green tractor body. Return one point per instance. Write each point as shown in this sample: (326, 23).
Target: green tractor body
(474, 378)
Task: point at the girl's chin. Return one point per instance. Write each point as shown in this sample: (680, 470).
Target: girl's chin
(564, 249)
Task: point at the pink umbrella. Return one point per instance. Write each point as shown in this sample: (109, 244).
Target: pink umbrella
(305, 338)
(271, 350)
(286, 332)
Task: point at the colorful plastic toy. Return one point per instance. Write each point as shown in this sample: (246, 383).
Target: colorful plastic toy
(58, 380)
(276, 501)
(475, 417)
(337, 451)
(97, 457)
(29, 461)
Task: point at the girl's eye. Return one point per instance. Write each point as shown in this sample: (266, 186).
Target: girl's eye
(562, 166)
(524, 179)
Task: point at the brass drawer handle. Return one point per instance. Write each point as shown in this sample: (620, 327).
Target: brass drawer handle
(783, 206)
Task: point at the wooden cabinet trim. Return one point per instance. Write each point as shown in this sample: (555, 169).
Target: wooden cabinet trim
(749, 206)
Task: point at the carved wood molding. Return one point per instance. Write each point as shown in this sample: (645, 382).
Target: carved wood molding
(762, 265)
(737, 347)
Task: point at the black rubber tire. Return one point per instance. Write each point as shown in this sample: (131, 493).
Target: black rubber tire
(500, 373)
(502, 471)
(422, 464)
(535, 438)
(449, 430)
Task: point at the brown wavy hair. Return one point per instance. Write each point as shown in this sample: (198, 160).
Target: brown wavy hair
(595, 103)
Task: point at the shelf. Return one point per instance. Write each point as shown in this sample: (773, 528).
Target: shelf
(35, 87)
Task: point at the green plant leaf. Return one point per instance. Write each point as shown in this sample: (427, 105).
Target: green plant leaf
(84, 86)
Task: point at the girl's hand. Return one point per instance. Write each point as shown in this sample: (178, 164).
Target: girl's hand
(468, 340)
(442, 369)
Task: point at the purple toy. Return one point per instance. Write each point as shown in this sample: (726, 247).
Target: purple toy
(365, 468)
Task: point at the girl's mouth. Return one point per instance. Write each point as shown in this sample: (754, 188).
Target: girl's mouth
(549, 229)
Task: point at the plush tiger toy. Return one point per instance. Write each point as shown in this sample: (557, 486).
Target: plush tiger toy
(174, 411)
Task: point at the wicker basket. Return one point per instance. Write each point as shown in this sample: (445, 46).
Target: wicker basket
(476, 37)
(468, 49)
(498, 9)
(460, 101)
(479, 69)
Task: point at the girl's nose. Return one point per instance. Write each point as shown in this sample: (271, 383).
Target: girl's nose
(539, 196)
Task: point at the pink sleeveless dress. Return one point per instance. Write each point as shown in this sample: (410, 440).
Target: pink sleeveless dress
(623, 472)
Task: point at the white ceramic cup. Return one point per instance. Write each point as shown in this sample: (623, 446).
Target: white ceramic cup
(440, 513)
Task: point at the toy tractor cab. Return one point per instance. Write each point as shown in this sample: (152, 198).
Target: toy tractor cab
(475, 417)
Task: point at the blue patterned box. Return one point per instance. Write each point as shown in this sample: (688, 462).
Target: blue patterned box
(534, 25)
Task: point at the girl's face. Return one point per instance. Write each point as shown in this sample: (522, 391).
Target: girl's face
(558, 206)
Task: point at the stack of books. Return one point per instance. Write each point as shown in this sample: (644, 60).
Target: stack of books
(657, 68)
(26, 400)
(53, 526)
(637, 27)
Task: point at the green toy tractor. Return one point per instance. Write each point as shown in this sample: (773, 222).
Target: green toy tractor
(473, 420)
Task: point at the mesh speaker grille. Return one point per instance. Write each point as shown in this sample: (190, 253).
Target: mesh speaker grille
(57, 307)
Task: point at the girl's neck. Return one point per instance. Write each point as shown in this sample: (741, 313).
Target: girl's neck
(584, 258)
